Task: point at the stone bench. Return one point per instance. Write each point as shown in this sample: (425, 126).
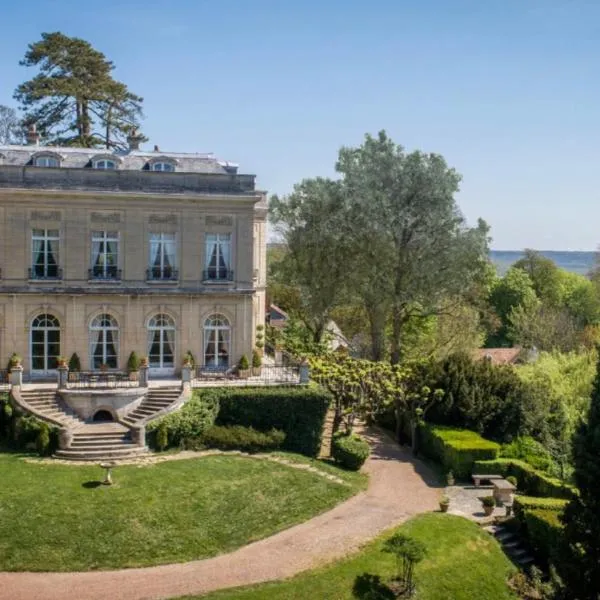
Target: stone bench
(479, 478)
(503, 492)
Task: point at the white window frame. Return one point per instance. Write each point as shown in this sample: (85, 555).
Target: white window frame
(216, 324)
(222, 246)
(46, 161)
(104, 238)
(46, 235)
(165, 167)
(164, 325)
(164, 242)
(103, 164)
(97, 326)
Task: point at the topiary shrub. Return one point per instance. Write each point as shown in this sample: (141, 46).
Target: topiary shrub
(133, 362)
(349, 450)
(189, 357)
(242, 438)
(74, 363)
(455, 449)
(256, 360)
(297, 411)
(522, 504)
(185, 426)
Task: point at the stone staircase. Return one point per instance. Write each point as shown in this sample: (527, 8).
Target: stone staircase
(100, 442)
(156, 399)
(48, 403)
(512, 544)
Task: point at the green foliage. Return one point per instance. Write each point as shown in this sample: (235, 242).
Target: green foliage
(545, 533)
(11, 130)
(256, 359)
(73, 96)
(14, 360)
(133, 363)
(74, 363)
(349, 450)
(246, 439)
(530, 450)
(297, 411)
(408, 552)
(456, 449)
(42, 441)
(581, 517)
(185, 426)
(522, 504)
(531, 482)
(162, 436)
(189, 357)
(512, 479)
(243, 364)
(488, 501)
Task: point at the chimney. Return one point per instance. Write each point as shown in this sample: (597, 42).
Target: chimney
(134, 139)
(32, 136)
(156, 148)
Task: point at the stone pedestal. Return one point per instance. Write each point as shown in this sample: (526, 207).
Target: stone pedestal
(144, 376)
(16, 376)
(138, 435)
(186, 374)
(63, 377)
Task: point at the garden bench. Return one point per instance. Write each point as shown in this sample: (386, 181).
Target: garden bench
(503, 492)
(479, 478)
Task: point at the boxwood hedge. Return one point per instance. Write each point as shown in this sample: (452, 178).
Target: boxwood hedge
(545, 533)
(531, 481)
(456, 449)
(526, 503)
(350, 451)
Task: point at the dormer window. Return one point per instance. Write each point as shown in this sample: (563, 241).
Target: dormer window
(45, 160)
(105, 164)
(163, 166)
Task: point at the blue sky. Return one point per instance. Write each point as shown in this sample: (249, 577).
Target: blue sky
(507, 90)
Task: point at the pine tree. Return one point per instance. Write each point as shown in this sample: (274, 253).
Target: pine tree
(73, 99)
(581, 567)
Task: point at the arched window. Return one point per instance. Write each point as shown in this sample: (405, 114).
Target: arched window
(163, 166)
(45, 343)
(161, 342)
(217, 341)
(104, 342)
(105, 164)
(46, 161)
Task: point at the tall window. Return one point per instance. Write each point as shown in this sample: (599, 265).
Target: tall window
(45, 343)
(161, 342)
(163, 260)
(46, 161)
(163, 166)
(218, 256)
(217, 340)
(105, 255)
(104, 342)
(44, 254)
(105, 164)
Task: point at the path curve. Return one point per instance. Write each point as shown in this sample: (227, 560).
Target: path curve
(399, 487)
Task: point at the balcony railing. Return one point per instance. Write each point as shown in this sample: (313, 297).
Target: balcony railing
(217, 275)
(165, 274)
(49, 274)
(100, 379)
(104, 274)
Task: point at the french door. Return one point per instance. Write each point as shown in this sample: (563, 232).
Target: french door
(44, 345)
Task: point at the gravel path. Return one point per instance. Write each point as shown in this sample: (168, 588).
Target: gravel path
(399, 488)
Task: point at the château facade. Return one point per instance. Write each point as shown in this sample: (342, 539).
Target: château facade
(103, 253)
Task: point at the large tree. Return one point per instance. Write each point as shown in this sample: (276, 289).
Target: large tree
(73, 99)
(10, 127)
(581, 569)
(416, 251)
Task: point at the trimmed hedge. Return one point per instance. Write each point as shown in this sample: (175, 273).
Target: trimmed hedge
(350, 451)
(456, 449)
(545, 533)
(242, 438)
(531, 482)
(526, 503)
(184, 427)
(297, 411)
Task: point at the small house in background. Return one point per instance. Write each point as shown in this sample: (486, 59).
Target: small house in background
(277, 317)
(506, 356)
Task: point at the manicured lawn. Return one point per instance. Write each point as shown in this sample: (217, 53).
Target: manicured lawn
(57, 517)
(463, 563)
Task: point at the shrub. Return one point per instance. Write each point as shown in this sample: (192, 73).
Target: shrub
(185, 426)
(162, 436)
(350, 451)
(42, 440)
(74, 363)
(524, 503)
(456, 449)
(530, 450)
(512, 479)
(297, 411)
(256, 359)
(189, 357)
(488, 501)
(545, 533)
(247, 439)
(13, 361)
(531, 482)
(243, 363)
(133, 362)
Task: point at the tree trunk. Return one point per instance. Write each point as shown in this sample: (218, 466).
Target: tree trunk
(397, 323)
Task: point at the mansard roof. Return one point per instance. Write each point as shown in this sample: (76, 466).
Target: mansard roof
(129, 160)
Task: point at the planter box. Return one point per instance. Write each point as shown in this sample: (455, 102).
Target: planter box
(256, 371)
(244, 373)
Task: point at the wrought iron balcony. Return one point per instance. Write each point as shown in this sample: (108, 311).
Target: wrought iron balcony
(164, 274)
(217, 275)
(51, 273)
(104, 274)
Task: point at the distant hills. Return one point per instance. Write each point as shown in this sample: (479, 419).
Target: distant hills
(578, 262)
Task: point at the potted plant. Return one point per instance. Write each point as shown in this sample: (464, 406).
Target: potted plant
(74, 363)
(243, 367)
(61, 361)
(256, 363)
(189, 357)
(144, 362)
(260, 337)
(450, 478)
(488, 504)
(444, 504)
(14, 360)
(133, 366)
